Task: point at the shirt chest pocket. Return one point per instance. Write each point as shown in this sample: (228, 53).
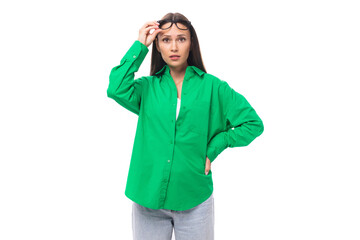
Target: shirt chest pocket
(199, 115)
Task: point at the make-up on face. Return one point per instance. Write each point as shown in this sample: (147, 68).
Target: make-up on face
(174, 45)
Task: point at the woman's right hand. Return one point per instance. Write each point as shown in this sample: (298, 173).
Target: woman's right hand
(145, 37)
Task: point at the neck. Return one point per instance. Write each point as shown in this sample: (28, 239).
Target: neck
(178, 72)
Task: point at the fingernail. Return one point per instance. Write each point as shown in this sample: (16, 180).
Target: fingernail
(206, 173)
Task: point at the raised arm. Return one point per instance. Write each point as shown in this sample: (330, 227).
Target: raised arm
(123, 88)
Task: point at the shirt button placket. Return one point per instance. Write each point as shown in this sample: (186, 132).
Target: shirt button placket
(167, 172)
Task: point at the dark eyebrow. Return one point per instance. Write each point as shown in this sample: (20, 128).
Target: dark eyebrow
(170, 35)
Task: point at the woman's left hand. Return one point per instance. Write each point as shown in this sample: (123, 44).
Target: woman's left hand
(207, 166)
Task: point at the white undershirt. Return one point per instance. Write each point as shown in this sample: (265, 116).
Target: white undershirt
(178, 107)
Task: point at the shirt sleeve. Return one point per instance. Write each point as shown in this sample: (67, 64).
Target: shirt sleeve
(123, 88)
(241, 122)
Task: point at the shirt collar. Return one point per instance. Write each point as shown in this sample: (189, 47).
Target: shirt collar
(166, 70)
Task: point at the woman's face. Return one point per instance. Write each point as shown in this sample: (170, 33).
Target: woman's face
(174, 41)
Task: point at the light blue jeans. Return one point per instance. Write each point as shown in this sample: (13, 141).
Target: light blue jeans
(196, 223)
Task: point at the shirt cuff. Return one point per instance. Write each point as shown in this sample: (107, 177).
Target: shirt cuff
(136, 53)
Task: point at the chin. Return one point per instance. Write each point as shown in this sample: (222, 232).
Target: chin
(176, 64)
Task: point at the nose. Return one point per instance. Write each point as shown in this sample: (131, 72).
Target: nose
(174, 45)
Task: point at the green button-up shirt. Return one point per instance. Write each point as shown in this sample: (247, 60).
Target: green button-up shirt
(167, 168)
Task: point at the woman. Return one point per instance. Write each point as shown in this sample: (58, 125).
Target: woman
(187, 117)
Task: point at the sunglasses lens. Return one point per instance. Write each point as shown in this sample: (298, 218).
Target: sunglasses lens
(164, 24)
(182, 25)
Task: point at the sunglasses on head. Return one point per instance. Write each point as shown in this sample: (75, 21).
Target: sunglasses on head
(180, 24)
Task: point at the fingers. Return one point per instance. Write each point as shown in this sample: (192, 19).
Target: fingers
(208, 166)
(147, 29)
(151, 35)
(150, 23)
(144, 33)
(154, 33)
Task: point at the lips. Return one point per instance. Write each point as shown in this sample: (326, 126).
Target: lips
(174, 57)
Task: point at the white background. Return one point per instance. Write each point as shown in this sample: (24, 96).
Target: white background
(66, 147)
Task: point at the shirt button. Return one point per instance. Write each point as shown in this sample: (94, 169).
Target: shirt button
(169, 160)
(134, 56)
